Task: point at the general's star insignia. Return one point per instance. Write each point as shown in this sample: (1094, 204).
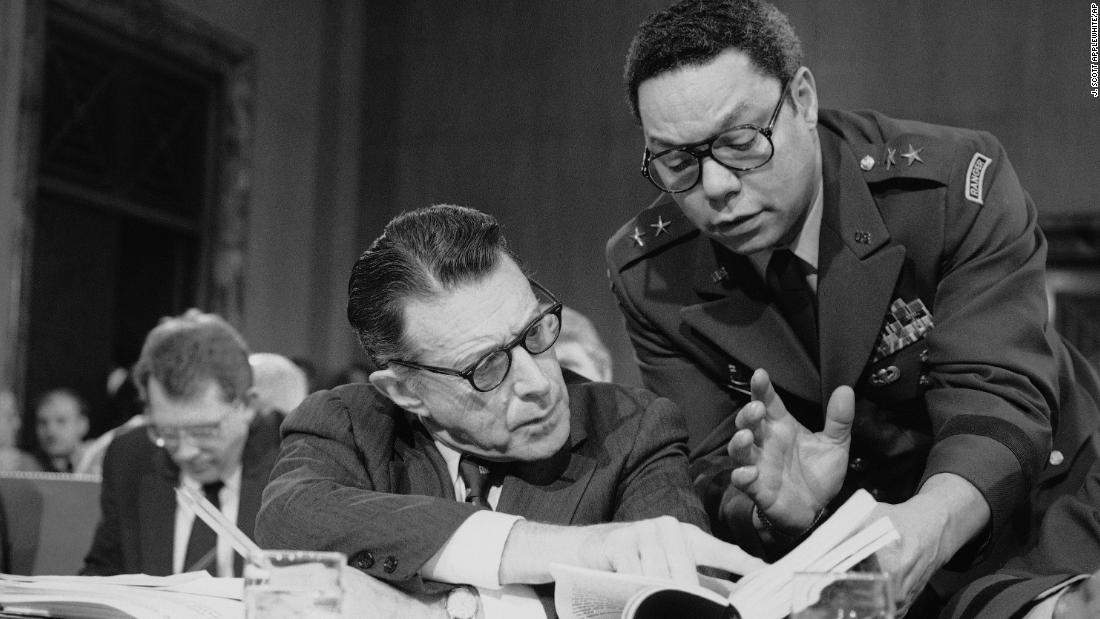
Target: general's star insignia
(660, 226)
(913, 154)
(889, 160)
(637, 236)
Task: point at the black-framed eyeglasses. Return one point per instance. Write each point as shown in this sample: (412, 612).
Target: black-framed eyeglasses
(488, 372)
(171, 437)
(741, 148)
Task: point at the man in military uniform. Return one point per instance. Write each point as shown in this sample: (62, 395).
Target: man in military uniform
(836, 250)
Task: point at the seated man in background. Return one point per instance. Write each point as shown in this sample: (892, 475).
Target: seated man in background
(470, 403)
(61, 423)
(11, 457)
(202, 432)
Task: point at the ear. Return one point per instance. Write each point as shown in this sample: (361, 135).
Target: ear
(397, 388)
(804, 93)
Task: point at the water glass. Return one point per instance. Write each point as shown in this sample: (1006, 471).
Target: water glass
(842, 595)
(294, 583)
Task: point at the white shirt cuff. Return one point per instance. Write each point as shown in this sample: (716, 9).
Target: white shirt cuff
(509, 601)
(472, 554)
(1050, 597)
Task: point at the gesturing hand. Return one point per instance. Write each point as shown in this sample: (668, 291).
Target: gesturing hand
(788, 471)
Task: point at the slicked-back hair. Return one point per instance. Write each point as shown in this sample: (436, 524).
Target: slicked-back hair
(694, 32)
(420, 254)
(185, 352)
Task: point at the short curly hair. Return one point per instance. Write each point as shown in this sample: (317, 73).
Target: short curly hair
(694, 32)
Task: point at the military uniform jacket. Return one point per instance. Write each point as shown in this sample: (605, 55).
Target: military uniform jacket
(359, 475)
(931, 305)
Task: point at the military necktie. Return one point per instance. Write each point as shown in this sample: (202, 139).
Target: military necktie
(786, 279)
(203, 541)
(477, 475)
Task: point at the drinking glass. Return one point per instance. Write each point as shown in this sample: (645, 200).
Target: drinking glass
(294, 583)
(841, 595)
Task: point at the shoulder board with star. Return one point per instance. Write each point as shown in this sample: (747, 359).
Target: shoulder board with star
(654, 228)
(908, 155)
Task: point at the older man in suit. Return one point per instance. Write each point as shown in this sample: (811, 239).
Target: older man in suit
(470, 402)
(201, 431)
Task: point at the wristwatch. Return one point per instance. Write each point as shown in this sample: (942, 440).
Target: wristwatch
(463, 602)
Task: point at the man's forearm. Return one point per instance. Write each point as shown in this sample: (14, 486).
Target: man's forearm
(965, 511)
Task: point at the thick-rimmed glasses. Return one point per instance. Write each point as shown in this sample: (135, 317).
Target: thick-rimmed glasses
(171, 437)
(488, 372)
(741, 148)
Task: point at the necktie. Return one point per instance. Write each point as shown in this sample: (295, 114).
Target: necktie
(477, 475)
(797, 301)
(203, 541)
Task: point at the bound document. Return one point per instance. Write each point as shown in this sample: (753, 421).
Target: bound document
(194, 595)
(839, 544)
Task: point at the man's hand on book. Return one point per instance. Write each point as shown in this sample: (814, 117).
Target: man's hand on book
(658, 547)
(788, 471)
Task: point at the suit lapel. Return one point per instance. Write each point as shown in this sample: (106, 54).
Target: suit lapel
(551, 490)
(739, 321)
(157, 517)
(857, 268)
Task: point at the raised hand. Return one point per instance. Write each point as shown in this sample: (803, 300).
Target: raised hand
(788, 471)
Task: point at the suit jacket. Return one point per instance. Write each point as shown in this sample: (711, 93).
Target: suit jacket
(136, 533)
(931, 305)
(1068, 545)
(359, 475)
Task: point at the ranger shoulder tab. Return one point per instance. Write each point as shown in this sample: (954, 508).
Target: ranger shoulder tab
(654, 228)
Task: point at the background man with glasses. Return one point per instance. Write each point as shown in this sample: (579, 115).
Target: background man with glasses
(470, 403)
(839, 250)
(201, 431)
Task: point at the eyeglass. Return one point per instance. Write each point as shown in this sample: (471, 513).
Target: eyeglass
(488, 372)
(171, 437)
(741, 148)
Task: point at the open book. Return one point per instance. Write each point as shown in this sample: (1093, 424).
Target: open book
(182, 596)
(841, 542)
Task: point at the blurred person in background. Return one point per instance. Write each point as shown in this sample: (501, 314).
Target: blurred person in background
(61, 423)
(280, 384)
(11, 457)
(201, 432)
(580, 348)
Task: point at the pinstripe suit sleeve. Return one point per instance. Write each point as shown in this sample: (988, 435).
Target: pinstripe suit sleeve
(338, 485)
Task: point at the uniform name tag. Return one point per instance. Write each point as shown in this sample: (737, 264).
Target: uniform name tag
(975, 177)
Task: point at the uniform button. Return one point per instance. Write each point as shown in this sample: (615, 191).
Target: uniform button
(925, 381)
(362, 560)
(857, 465)
(924, 356)
(390, 564)
(866, 163)
(1056, 458)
